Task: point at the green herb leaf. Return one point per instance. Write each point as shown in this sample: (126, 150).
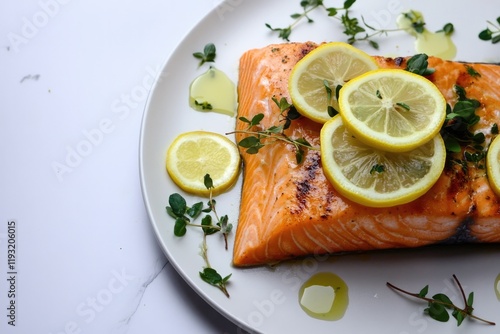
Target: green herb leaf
(442, 298)
(424, 291)
(208, 228)
(177, 204)
(403, 105)
(437, 312)
(494, 129)
(208, 54)
(211, 276)
(485, 35)
(207, 181)
(203, 105)
(448, 29)
(418, 64)
(377, 169)
(195, 210)
(180, 227)
(250, 141)
(472, 72)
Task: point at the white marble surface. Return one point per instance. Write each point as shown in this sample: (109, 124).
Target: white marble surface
(72, 81)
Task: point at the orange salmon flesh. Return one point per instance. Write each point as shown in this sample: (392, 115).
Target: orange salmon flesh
(289, 210)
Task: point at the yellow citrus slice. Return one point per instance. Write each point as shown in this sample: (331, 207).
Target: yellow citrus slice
(493, 165)
(334, 63)
(378, 178)
(194, 154)
(392, 109)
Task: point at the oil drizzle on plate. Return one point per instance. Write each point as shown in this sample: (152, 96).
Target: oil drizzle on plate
(324, 296)
(213, 91)
(437, 44)
(497, 286)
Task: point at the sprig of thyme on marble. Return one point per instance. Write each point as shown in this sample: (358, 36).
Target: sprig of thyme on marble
(439, 304)
(258, 139)
(184, 217)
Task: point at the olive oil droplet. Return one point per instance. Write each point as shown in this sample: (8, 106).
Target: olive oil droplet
(437, 44)
(324, 296)
(497, 286)
(213, 91)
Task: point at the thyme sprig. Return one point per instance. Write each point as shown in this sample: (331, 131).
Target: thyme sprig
(440, 303)
(184, 215)
(356, 30)
(208, 55)
(342, 14)
(258, 139)
(492, 32)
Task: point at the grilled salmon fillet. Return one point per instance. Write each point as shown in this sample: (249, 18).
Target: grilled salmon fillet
(289, 210)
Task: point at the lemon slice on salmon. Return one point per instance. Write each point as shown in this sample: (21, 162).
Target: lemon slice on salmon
(194, 154)
(327, 67)
(392, 109)
(377, 178)
(493, 165)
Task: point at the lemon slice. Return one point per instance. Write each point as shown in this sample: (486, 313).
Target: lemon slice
(378, 178)
(493, 165)
(334, 62)
(392, 109)
(194, 154)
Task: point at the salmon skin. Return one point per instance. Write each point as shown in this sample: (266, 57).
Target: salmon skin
(290, 210)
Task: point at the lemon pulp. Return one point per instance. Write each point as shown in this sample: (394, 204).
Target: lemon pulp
(194, 154)
(493, 165)
(328, 66)
(392, 109)
(377, 178)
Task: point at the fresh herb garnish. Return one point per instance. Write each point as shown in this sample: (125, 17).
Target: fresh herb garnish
(356, 30)
(403, 106)
(207, 56)
(330, 109)
(494, 129)
(439, 304)
(258, 139)
(377, 169)
(448, 29)
(492, 32)
(419, 64)
(203, 105)
(472, 71)
(456, 130)
(184, 215)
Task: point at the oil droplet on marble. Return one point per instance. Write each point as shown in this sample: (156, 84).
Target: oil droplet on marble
(324, 296)
(213, 91)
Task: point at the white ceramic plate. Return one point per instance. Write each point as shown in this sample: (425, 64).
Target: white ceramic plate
(266, 299)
